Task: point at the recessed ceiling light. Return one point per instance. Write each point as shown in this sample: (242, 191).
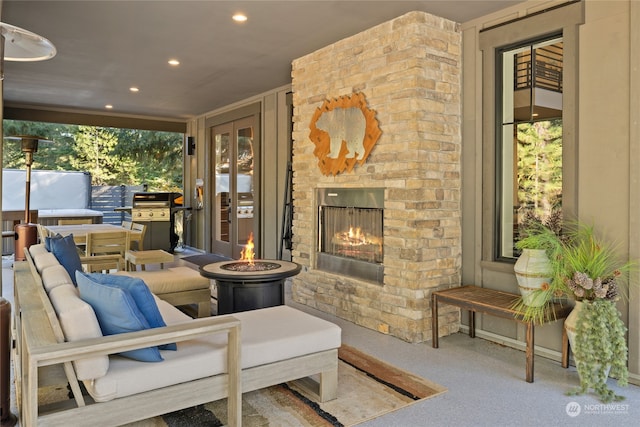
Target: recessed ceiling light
(108, 106)
(174, 62)
(239, 17)
(134, 89)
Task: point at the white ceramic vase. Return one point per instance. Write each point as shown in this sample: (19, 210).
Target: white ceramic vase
(570, 327)
(532, 270)
(570, 323)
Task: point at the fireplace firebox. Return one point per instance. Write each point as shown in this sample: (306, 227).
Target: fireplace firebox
(350, 232)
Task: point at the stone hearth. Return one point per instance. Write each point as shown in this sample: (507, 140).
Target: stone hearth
(409, 69)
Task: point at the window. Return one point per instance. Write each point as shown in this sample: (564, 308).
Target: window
(529, 123)
(529, 152)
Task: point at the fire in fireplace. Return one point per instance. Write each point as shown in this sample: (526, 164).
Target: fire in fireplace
(350, 232)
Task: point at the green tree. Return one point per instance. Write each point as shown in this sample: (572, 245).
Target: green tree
(156, 155)
(112, 156)
(540, 166)
(94, 149)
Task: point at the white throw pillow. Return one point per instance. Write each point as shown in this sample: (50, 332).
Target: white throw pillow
(78, 322)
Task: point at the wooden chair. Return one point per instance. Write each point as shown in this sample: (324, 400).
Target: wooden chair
(105, 251)
(43, 233)
(138, 240)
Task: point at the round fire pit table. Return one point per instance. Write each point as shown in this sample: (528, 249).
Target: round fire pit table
(243, 286)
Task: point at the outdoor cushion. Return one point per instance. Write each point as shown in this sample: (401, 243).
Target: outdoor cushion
(49, 239)
(54, 276)
(45, 260)
(78, 321)
(67, 254)
(267, 335)
(175, 279)
(37, 249)
(141, 295)
(117, 313)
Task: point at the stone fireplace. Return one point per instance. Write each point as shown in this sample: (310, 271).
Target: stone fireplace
(409, 69)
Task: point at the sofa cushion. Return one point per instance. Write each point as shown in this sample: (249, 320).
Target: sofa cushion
(45, 260)
(281, 332)
(267, 335)
(37, 249)
(78, 322)
(55, 276)
(117, 313)
(141, 295)
(175, 279)
(66, 252)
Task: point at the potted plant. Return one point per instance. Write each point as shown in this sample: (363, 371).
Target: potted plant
(540, 239)
(594, 274)
(588, 270)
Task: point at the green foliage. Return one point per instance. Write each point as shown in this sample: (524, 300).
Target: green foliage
(590, 256)
(545, 235)
(539, 165)
(112, 156)
(599, 345)
(587, 269)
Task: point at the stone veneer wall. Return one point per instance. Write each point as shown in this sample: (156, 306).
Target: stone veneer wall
(410, 72)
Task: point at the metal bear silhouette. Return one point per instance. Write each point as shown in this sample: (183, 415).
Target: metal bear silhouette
(344, 124)
(344, 131)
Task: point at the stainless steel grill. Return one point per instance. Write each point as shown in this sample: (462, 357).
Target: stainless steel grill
(151, 207)
(156, 210)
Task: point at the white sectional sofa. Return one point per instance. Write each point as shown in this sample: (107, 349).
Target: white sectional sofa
(59, 340)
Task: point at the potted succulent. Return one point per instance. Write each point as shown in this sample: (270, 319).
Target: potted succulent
(587, 270)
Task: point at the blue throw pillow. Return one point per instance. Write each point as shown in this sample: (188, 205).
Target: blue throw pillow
(48, 239)
(141, 295)
(117, 313)
(65, 251)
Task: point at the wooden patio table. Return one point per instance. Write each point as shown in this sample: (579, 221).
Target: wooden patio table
(80, 231)
(496, 303)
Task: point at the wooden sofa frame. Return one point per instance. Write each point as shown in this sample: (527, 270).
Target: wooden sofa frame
(42, 357)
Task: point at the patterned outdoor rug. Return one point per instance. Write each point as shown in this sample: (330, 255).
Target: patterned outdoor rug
(367, 388)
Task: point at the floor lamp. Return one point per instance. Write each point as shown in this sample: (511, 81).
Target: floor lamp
(16, 44)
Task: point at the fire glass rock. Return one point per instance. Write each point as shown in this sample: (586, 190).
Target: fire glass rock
(246, 266)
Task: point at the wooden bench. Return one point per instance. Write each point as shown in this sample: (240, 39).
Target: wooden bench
(495, 303)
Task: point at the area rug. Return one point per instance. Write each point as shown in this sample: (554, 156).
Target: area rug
(367, 388)
(205, 259)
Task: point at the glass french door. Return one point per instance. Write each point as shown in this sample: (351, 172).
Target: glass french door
(233, 201)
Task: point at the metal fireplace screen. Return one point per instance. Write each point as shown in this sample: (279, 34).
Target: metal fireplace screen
(350, 232)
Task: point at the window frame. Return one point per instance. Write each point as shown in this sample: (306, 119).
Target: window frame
(563, 20)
